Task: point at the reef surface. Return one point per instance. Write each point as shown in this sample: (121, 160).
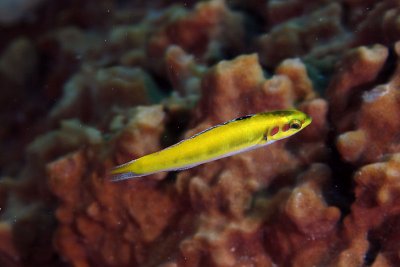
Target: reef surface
(89, 85)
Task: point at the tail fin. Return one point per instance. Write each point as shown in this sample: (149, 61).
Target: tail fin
(119, 176)
(124, 172)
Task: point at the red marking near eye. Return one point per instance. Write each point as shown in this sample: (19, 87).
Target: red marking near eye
(274, 131)
(285, 127)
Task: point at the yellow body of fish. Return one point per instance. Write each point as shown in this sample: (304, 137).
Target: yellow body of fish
(235, 136)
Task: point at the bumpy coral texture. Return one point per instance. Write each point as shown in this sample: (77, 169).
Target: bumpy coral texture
(89, 85)
(135, 214)
(369, 130)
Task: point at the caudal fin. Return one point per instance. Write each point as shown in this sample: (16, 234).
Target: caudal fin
(119, 176)
(124, 172)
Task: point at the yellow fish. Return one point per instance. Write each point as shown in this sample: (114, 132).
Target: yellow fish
(224, 140)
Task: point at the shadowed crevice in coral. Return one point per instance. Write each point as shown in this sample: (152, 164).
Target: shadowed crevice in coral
(383, 76)
(163, 83)
(320, 74)
(382, 242)
(254, 25)
(373, 250)
(389, 68)
(340, 192)
(176, 124)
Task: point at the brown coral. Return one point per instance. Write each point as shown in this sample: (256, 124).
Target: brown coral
(302, 212)
(290, 40)
(118, 221)
(357, 68)
(216, 201)
(73, 83)
(373, 222)
(211, 28)
(373, 131)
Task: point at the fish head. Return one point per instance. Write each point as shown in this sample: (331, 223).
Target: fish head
(288, 123)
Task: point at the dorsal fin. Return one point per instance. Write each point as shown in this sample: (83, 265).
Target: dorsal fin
(237, 119)
(242, 118)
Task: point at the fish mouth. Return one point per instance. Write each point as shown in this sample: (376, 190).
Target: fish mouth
(307, 121)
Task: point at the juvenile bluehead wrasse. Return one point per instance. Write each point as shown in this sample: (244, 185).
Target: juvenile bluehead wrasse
(224, 140)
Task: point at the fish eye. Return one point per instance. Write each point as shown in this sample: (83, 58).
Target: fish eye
(295, 124)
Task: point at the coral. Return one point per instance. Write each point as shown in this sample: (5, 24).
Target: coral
(183, 72)
(250, 93)
(13, 11)
(104, 88)
(26, 225)
(316, 34)
(369, 130)
(18, 70)
(352, 76)
(118, 221)
(89, 85)
(381, 19)
(279, 11)
(206, 32)
(222, 192)
(19, 60)
(301, 211)
(215, 203)
(373, 222)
